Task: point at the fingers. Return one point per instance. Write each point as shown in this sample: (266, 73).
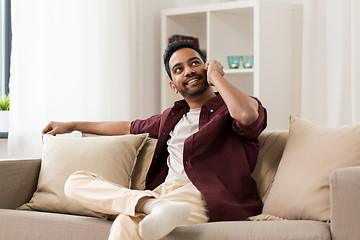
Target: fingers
(53, 132)
(49, 129)
(54, 128)
(215, 65)
(222, 71)
(207, 64)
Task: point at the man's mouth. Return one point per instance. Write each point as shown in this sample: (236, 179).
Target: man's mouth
(193, 80)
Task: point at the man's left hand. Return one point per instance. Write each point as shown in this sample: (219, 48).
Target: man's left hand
(213, 67)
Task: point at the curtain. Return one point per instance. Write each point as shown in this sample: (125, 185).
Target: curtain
(331, 60)
(72, 60)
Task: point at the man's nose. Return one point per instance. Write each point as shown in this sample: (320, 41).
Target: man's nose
(189, 71)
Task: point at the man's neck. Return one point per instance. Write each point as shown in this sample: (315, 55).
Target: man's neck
(198, 101)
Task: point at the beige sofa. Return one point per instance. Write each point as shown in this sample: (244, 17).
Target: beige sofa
(18, 181)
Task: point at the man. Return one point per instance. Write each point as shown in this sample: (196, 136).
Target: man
(207, 148)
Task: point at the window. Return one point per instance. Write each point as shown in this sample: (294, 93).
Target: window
(5, 46)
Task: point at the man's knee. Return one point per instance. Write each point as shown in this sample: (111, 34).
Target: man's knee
(75, 180)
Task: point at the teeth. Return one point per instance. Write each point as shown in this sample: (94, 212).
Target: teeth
(191, 81)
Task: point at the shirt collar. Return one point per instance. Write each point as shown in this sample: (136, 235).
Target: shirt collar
(213, 103)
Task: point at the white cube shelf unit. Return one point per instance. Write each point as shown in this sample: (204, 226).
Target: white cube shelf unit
(271, 31)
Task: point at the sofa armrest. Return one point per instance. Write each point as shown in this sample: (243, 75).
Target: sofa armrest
(345, 203)
(18, 181)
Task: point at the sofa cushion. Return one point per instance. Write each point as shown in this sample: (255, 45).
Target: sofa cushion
(245, 230)
(272, 144)
(38, 225)
(31, 225)
(312, 152)
(112, 157)
(142, 165)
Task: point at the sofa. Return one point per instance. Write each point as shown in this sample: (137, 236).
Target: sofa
(19, 179)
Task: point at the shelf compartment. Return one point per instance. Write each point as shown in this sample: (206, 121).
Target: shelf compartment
(238, 22)
(193, 24)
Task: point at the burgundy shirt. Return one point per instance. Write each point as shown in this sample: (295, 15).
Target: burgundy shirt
(218, 159)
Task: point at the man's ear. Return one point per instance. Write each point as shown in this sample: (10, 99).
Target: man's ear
(173, 87)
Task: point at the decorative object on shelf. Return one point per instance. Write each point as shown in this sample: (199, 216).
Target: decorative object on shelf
(4, 113)
(234, 62)
(247, 61)
(176, 38)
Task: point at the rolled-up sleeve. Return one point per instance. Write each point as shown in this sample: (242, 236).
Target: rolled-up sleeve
(253, 130)
(150, 125)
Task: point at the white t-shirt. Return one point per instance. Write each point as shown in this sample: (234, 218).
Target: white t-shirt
(188, 125)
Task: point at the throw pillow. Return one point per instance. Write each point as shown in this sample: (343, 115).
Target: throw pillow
(272, 144)
(142, 165)
(112, 157)
(312, 152)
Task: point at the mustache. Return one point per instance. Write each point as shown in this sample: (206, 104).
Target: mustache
(189, 78)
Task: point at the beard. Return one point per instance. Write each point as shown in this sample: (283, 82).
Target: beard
(193, 91)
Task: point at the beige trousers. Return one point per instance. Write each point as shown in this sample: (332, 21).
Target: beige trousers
(94, 193)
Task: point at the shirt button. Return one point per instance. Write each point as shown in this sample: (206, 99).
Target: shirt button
(172, 113)
(164, 133)
(186, 162)
(211, 110)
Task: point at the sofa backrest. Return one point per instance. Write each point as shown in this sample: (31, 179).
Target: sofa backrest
(272, 144)
(18, 181)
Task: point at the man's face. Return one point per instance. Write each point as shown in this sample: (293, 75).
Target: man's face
(188, 73)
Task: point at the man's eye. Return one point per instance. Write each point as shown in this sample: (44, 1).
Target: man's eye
(177, 70)
(195, 63)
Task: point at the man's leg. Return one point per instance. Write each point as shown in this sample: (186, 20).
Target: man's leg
(162, 217)
(181, 190)
(125, 227)
(180, 203)
(95, 193)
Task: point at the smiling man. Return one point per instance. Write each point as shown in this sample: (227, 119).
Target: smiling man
(201, 169)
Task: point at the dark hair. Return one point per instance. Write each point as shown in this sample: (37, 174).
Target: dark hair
(173, 47)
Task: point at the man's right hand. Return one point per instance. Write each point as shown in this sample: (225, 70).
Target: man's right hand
(54, 128)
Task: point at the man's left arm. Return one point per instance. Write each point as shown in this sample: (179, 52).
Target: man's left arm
(242, 107)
